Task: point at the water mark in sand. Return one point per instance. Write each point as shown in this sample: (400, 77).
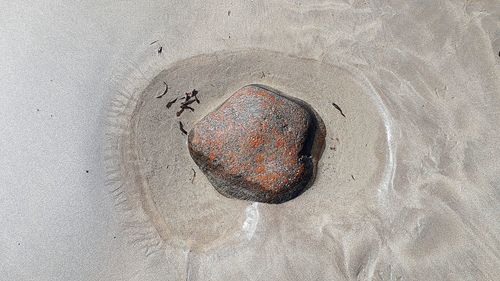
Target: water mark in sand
(149, 168)
(252, 219)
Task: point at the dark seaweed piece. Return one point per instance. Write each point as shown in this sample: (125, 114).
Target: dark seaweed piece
(188, 102)
(187, 107)
(194, 94)
(179, 112)
(181, 127)
(338, 108)
(194, 175)
(353, 177)
(186, 97)
(153, 42)
(164, 92)
(169, 104)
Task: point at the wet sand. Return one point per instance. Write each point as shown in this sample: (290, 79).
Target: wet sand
(407, 188)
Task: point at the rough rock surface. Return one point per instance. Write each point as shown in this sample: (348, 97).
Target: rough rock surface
(259, 145)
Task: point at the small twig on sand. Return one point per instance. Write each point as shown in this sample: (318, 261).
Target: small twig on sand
(164, 92)
(194, 175)
(181, 127)
(169, 104)
(338, 108)
(188, 102)
(187, 107)
(179, 112)
(194, 94)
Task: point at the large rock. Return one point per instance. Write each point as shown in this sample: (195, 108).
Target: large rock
(259, 145)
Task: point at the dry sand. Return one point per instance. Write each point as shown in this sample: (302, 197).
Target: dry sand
(408, 187)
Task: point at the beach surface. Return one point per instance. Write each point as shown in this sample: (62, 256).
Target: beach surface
(96, 181)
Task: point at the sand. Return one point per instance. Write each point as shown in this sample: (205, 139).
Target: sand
(407, 188)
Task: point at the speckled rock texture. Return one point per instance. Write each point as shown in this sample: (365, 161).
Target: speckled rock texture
(259, 145)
